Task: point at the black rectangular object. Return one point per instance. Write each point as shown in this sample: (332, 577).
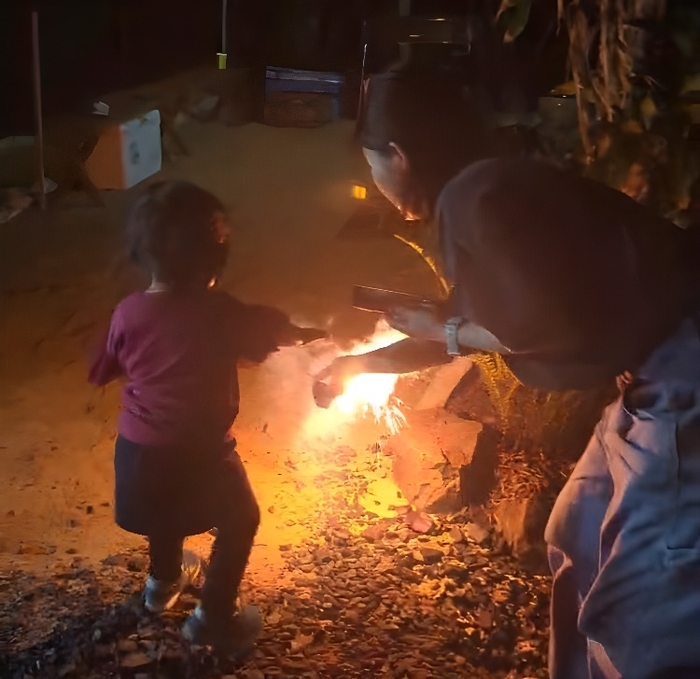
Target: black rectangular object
(384, 301)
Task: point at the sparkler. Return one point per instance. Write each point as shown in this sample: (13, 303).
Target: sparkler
(373, 393)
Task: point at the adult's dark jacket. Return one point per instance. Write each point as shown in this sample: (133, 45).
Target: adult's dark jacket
(580, 282)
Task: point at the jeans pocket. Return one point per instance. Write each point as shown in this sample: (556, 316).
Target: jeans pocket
(667, 428)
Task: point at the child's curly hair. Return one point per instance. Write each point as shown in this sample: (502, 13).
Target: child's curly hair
(179, 233)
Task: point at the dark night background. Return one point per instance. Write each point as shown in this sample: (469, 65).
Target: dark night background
(89, 47)
(92, 47)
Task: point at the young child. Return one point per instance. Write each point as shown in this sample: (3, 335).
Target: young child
(178, 344)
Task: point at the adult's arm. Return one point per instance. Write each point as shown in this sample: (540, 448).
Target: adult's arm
(428, 325)
(405, 356)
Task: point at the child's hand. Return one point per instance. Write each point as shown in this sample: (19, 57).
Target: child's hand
(330, 383)
(296, 336)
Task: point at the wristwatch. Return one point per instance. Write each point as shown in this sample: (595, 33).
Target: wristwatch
(452, 326)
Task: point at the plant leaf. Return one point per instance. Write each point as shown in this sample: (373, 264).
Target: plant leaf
(514, 14)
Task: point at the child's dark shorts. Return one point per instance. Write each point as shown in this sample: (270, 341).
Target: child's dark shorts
(168, 490)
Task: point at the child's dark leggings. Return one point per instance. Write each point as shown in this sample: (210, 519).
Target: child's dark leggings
(229, 556)
(236, 529)
(166, 493)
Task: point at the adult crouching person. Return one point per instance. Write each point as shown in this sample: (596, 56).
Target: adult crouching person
(576, 285)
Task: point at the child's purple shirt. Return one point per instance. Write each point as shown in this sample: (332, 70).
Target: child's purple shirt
(178, 353)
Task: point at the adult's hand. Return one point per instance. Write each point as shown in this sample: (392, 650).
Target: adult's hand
(294, 336)
(421, 323)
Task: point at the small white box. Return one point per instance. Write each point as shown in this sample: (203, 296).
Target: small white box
(126, 153)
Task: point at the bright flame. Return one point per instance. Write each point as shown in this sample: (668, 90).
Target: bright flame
(373, 392)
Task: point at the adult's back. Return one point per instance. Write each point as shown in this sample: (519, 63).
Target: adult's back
(577, 279)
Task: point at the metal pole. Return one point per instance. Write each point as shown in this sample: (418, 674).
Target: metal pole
(222, 55)
(365, 40)
(224, 12)
(39, 137)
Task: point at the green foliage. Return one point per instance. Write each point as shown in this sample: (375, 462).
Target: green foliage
(513, 16)
(498, 380)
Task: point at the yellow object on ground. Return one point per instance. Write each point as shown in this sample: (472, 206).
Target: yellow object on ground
(359, 192)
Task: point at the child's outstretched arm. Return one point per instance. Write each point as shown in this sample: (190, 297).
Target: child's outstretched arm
(263, 330)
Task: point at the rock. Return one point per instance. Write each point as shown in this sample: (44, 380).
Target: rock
(136, 661)
(376, 532)
(456, 534)
(36, 549)
(323, 555)
(476, 533)
(427, 456)
(419, 674)
(103, 650)
(522, 522)
(443, 381)
(484, 618)
(117, 560)
(431, 555)
(127, 646)
(300, 642)
(479, 478)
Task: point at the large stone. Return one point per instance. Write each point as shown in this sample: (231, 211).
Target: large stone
(428, 455)
(443, 383)
(432, 388)
(521, 522)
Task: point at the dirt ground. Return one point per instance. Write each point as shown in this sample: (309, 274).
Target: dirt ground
(60, 274)
(345, 587)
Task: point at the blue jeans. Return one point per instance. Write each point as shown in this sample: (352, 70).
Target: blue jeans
(624, 534)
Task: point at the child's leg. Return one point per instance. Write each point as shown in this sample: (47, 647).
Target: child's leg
(165, 578)
(236, 529)
(165, 552)
(213, 622)
(229, 558)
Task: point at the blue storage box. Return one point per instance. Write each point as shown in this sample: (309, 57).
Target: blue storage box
(311, 82)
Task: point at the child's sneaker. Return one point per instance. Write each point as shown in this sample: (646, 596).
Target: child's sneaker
(162, 596)
(233, 637)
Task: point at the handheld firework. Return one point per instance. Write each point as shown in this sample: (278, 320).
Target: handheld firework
(331, 383)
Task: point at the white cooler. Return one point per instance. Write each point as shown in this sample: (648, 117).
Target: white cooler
(126, 153)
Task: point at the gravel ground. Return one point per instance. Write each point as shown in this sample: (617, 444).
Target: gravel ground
(367, 597)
